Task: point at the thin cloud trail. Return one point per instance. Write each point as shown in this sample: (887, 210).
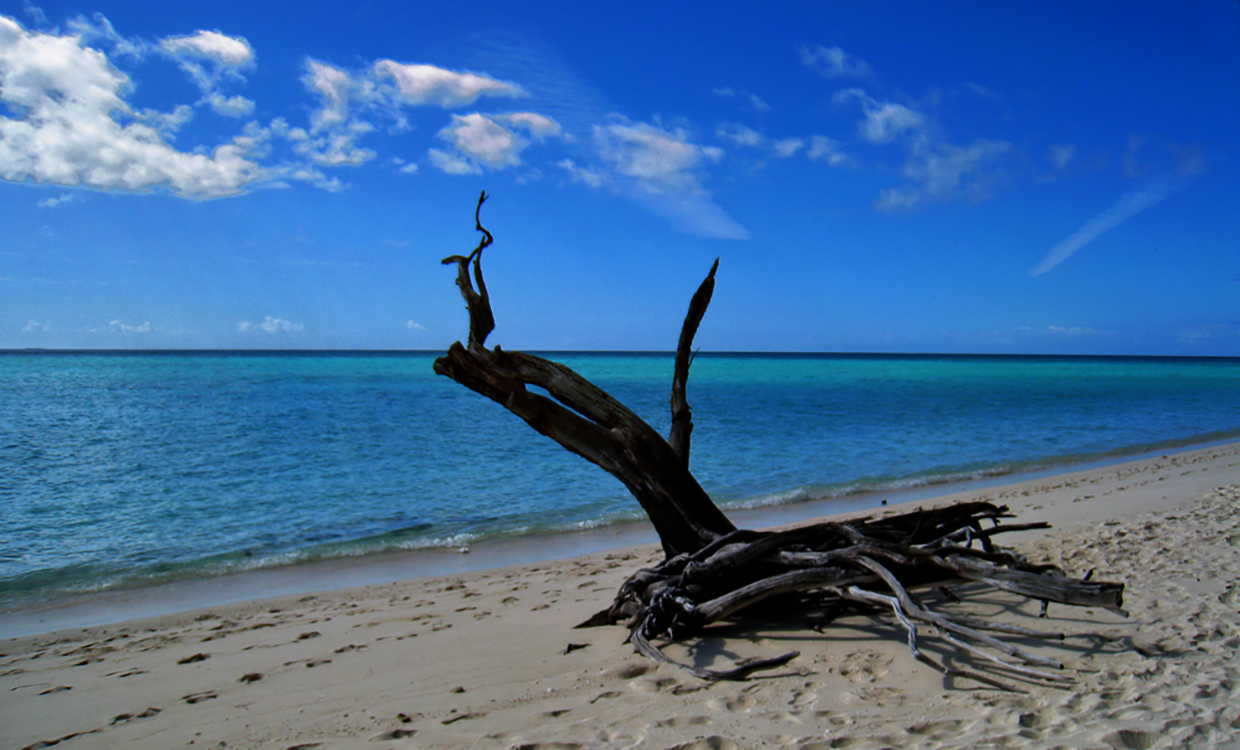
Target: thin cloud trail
(1124, 209)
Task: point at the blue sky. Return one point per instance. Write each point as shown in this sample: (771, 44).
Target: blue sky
(899, 177)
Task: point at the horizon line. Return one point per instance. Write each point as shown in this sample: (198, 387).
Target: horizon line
(612, 352)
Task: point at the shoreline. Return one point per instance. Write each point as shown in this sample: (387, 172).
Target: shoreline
(482, 659)
(27, 617)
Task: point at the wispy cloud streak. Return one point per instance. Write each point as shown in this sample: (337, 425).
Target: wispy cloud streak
(1124, 209)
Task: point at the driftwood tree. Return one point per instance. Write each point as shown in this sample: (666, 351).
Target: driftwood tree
(713, 571)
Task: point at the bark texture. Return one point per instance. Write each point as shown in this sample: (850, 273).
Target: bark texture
(714, 572)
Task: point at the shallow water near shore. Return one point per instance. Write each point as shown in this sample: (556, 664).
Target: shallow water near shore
(127, 470)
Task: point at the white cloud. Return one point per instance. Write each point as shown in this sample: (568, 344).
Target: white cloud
(943, 172)
(212, 45)
(34, 326)
(66, 129)
(590, 177)
(453, 163)
(426, 84)
(230, 106)
(538, 126)
(350, 101)
(209, 57)
(413, 326)
(788, 147)
(754, 100)
(662, 167)
(660, 159)
(822, 148)
(884, 121)
(1125, 208)
(1077, 331)
(168, 123)
(739, 134)
(116, 326)
(834, 62)
(59, 201)
(335, 126)
(270, 325)
(481, 141)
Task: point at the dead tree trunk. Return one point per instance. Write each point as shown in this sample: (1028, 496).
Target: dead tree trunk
(713, 571)
(586, 420)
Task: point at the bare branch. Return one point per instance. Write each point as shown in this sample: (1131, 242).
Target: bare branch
(682, 415)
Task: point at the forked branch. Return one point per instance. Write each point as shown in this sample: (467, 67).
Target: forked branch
(714, 572)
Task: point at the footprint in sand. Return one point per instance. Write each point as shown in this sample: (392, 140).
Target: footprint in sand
(122, 718)
(193, 698)
(714, 742)
(395, 734)
(679, 722)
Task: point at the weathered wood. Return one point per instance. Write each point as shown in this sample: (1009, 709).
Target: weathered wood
(713, 571)
(868, 561)
(682, 415)
(583, 418)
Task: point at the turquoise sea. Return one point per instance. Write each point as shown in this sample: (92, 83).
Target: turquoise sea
(124, 469)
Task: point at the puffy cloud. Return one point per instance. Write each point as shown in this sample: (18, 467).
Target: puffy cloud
(335, 88)
(335, 126)
(538, 126)
(71, 126)
(34, 326)
(404, 167)
(168, 123)
(662, 169)
(884, 121)
(590, 177)
(212, 45)
(754, 100)
(942, 172)
(427, 84)
(270, 325)
(230, 106)
(822, 148)
(60, 201)
(414, 326)
(209, 57)
(739, 134)
(658, 158)
(834, 62)
(348, 101)
(452, 163)
(115, 326)
(481, 141)
(788, 147)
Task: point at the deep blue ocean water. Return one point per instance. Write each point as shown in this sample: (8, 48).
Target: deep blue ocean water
(119, 469)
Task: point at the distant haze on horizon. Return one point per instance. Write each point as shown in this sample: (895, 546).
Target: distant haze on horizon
(1009, 178)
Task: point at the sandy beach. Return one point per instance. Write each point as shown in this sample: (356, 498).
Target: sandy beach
(483, 659)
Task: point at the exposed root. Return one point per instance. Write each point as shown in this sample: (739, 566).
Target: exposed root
(873, 562)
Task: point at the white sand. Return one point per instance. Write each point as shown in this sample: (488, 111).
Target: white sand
(478, 659)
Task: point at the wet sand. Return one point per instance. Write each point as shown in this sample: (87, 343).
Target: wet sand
(482, 659)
